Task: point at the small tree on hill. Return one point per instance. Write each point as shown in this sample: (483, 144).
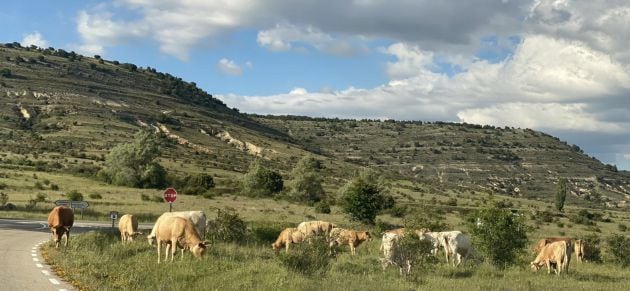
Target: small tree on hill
(498, 234)
(561, 195)
(363, 198)
(306, 185)
(134, 164)
(260, 181)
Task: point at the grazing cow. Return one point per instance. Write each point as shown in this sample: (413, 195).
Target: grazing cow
(392, 253)
(580, 250)
(397, 231)
(198, 219)
(128, 227)
(555, 255)
(434, 238)
(545, 241)
(287, 237)
(60, 221)
(340, 236)
(316, 227)
(456, 245)
(178, 232)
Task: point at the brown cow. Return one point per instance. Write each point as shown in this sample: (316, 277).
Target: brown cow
(287, 237)
(352, 238)
(60, 220)
(580, 250)
(554, 255)
(128, 227)
(178, 232)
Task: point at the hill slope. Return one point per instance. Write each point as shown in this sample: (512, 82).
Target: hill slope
(63, 112)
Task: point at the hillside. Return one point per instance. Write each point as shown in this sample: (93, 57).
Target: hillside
(63, 112)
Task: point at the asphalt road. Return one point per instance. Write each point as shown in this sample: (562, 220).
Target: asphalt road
(21, 264)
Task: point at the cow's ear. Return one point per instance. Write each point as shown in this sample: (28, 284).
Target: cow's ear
(201, 245)
(67, 228)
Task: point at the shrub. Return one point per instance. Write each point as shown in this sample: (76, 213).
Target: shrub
(260, 181)
(322, 207)
(622, 227)
(95, 196)
(41, 197)
(362, 197)
(4, 198)
(74, 195)
(561, 195)
(227, 226)
(157, 198)
(451, 202)
(309, 259)
(38, 185)
(499, 235)
(585, 217)
(593, 250)
(306, 185)
(4, 72)
(417, 251)
(619, 249)
(3, 186)
(145, 197)
(398, 211)
(54, 187)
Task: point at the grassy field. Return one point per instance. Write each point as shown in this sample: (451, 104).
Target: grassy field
(98, 261)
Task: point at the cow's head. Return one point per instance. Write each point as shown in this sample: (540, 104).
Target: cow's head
(199, 249)
(535, 267)
(365, 235)
(57, 233)
(152, 240)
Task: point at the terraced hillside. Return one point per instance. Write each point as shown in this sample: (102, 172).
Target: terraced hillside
(63, 112)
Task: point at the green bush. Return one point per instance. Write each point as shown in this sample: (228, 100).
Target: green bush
(54, 187)
(227, 227)
(3, 186)
(74, 195)
(309, 259)
(306, 185)
(41, 197)
(593, 249)
(417, 251)
(4, 72)
(498, 234)
(260, 181)
(362, 198)
(619, 249)
(322, 207)
(145, 197)
(157, 198)
(622, 227)
(4, 198)
(95, 196)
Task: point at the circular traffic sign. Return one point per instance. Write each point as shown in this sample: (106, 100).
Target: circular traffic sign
(170, 195)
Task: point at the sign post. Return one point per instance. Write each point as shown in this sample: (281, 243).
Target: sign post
(73, 204)
(113, 215)
(170, 195)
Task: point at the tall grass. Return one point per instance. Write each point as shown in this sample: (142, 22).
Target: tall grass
(99, 261)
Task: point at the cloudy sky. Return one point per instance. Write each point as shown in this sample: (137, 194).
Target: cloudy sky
(558, 66)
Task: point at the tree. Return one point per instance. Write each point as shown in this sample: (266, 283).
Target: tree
(306, 185)
(5, 73)
(260, 181)
(561, 195)
(363, 198)
(619, 249)
(133, 164)
(498, 234)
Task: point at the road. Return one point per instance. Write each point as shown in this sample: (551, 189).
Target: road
(23, 267)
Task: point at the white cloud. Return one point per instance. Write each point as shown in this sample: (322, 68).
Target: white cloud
(35, 39)
(229, 67)
(285, 37)
(626, 157)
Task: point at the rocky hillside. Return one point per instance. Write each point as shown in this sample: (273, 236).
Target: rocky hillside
(63, 112)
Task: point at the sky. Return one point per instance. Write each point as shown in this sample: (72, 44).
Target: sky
(558, 66)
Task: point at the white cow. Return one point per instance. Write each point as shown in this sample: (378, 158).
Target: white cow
(393, 254)
(198, 219)
(454, 243)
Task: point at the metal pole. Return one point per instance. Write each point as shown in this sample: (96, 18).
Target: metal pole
(170, 207)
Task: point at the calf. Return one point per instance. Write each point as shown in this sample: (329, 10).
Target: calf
(340, 236)
(60, 221)
(287, 237)
(128, 227)
(554, 255)
(178, 232)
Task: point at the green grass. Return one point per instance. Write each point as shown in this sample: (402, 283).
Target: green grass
(98, 261)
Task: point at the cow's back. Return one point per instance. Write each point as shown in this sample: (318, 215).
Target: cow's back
(60, 216)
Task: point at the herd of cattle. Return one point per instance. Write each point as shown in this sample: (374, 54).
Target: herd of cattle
(186, 230)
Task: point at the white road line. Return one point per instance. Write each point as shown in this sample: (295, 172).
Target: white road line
(35, 260)
(34, 255)
(54, 281)
(39, 265)
(45, 272)
(63, 289)
(33, 251)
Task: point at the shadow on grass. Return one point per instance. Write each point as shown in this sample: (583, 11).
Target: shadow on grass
(594, 277)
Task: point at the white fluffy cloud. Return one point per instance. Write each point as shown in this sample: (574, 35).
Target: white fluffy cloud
(35, 39)
(229, 67)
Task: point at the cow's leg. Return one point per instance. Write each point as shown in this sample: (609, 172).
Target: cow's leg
(173, 249)
(67, 238)
(286, 246)
(159, 246)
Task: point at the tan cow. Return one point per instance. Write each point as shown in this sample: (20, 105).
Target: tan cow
(545, 241)
(554, 255)
(287, 237)
(60, 221)
(198, 218)
(178, 232)
(579, 248)
(316, 227)
(128, 227)
(352, 238)
(393, 255)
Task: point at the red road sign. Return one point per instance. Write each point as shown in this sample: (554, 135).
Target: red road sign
(170, 195)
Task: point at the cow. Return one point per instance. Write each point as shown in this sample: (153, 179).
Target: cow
(397, 231)
(393, 254)
(316, 227)
(456, 245)
(287, 237)
(198, 219)
(60, 221)
(434, 238)
(580, 250)
(555, 255)
(545, 241)
(128, 227)
(178, 232)
(340, 236)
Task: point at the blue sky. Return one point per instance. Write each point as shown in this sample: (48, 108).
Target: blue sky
(557, 66)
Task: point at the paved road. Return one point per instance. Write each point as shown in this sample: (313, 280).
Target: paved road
(22, 266)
